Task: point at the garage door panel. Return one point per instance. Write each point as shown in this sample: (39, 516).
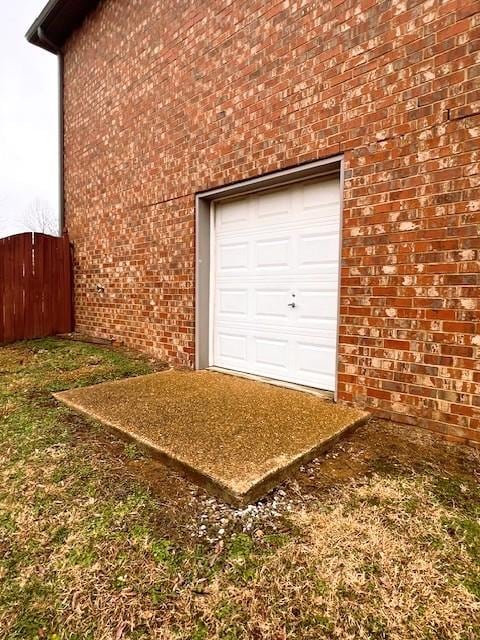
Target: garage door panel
(330, 195)
(317, 305)
(323, 334)
(273, 250)
(271, 303)
(273, 207)
(273, 253)
(232, 215)
(318, 248)
(232, 346)
(232, 302)
(271, 352)
(314, 358)
(233, 256)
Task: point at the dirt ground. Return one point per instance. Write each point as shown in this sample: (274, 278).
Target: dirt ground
(380, 447)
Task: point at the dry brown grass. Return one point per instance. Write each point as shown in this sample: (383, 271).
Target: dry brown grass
(381, 540)
(372, 562)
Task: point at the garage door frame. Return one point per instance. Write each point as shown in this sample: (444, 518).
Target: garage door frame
(203, 239)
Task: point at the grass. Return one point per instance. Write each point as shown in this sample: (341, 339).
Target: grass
(98, 542)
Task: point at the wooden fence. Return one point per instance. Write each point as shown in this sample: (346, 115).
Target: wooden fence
(35, 286)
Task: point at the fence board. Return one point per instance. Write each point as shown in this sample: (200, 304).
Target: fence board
(29, 326)
(37, 274)
(17, 287)
(35, 287)
(47, 290)
(9, 316)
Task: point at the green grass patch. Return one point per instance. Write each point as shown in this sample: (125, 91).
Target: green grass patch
(458, 493)
(89, 552)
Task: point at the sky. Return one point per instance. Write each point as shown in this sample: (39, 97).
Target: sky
(28, 122)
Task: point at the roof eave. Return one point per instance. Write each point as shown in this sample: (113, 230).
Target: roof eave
(57, 21)
(32, 34)
(34, 38)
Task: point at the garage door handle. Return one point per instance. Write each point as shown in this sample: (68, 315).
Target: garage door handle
(292, 304)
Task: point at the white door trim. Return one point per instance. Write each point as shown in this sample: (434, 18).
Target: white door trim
(211, 325)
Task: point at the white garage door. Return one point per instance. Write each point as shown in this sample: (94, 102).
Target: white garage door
(275, 283)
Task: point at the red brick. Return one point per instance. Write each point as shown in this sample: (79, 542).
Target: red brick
(163, 100)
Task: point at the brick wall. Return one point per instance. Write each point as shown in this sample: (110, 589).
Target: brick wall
(164, 99)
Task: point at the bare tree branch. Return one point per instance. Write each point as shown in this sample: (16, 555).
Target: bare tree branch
(40, 218)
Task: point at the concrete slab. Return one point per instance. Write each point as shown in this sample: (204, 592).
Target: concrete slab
(237, 438)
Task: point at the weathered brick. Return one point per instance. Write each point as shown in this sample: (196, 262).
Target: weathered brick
(166, 99)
